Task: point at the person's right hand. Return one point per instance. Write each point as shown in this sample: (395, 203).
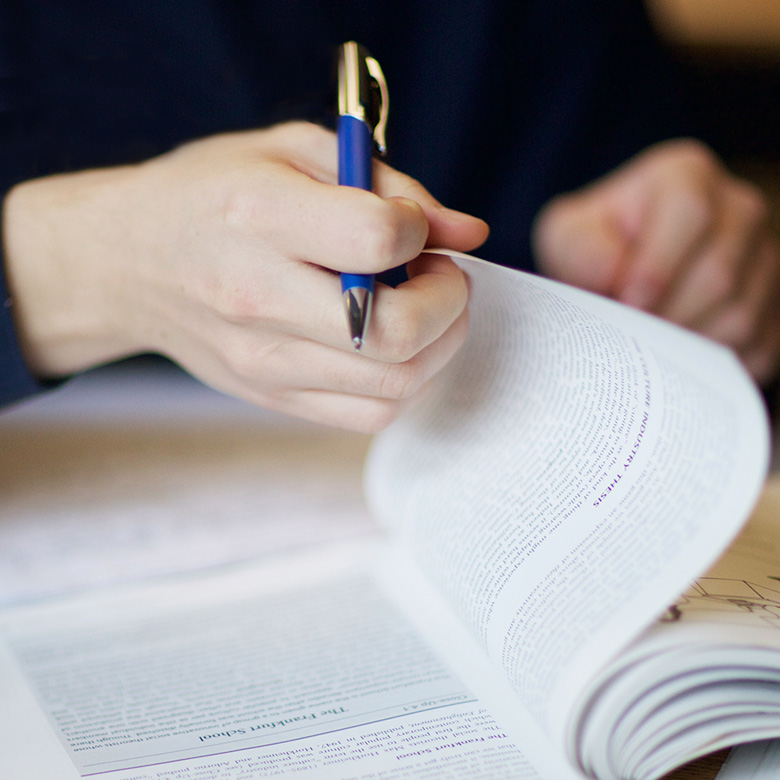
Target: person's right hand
(222, 255)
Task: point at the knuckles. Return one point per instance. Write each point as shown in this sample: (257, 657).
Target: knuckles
(693, 153)
(245, 205)
(236, 302)
(695, 207)
(383, 234)
(295, 135)
(400, 341)
(752, 204)
(399, 381)
(244, 358)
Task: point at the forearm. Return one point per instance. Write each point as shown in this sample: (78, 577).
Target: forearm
(59, 235)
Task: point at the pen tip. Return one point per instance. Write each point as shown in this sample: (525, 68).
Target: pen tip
(358, 305)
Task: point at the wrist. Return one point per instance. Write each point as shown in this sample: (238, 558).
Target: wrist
(57, 248)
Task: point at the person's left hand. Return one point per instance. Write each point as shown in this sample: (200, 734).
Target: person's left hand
(674, 233)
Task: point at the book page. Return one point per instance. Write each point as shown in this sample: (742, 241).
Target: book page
(705, 674)
(303, 666)
(741, 590)
(577, 467)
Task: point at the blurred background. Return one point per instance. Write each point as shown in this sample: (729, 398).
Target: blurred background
(731, 53)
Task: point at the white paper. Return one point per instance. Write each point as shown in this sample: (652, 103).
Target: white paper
(561, 498)
(304, 665)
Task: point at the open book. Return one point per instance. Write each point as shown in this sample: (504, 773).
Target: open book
(549, 598)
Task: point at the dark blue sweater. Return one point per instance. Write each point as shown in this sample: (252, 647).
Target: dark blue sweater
(495, 105)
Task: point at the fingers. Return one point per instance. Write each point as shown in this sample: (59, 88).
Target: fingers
(446, 227)
(695, 250)
(238, 282)
(408, 318)
(674, 233)
(354, 231)
(328, 384)
(748, 323)
(305, 301)
(350, 230)
(722, 279)
(367, 394)
(406, 321)
(732, 262)
(307, 365)
(289, 198)
(344, 229)
(576, 239)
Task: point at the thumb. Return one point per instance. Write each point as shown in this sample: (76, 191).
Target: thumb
(577, 239)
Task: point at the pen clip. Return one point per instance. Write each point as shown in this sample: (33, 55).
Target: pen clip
(363, 91)
(380, 102)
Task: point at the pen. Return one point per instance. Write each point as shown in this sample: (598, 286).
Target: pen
(362, 107)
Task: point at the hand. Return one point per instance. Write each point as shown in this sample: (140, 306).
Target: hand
(222, 255)
(673, 232)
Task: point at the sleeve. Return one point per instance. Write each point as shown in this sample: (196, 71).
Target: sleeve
(16, 381)
(543, 98)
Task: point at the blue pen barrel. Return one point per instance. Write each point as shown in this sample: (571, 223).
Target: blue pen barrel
(351, 281)
(356, 147)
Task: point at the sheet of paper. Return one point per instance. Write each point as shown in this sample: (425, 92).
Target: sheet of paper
(724, 628)
(304, 664)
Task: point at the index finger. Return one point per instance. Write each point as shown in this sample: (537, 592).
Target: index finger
(344, 228)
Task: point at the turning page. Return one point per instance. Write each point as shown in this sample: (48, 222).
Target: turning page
(704, 675)
(577, 467)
